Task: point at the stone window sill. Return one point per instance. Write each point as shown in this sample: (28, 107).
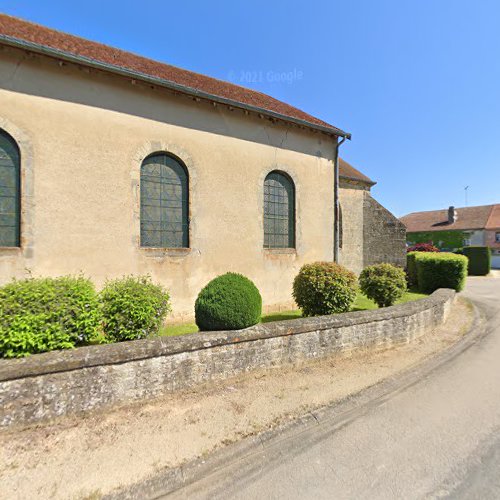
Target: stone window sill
(165, 252)
(10, 250)
(280, 251)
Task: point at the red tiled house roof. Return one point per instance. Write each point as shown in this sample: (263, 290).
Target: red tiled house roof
(17, 32)
(467, 218)
(494, 218)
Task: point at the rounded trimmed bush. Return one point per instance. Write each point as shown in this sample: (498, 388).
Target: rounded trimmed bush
(43, 314)
(132, 308)
(229, 302)
(324, 288)
(383, 283)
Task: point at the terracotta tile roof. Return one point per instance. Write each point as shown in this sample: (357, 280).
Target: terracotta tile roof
(494, 218)
(70, 45)
(437, 220)
(348, 172)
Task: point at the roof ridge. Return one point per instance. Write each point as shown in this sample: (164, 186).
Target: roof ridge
(444, 209)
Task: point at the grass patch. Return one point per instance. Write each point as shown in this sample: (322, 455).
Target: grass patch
(180, 329)
(281, 316)
(361, 303)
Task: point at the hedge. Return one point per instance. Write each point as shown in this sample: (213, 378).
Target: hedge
(43, 314)
(479, 260)
(411, 268)
(229, 302)
(440, 270)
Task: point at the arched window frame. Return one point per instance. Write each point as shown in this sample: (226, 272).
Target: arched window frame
(10, 192)
(276, 234)
(173, 230)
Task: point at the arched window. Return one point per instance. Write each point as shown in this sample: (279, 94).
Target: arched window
(164, 202)
(279, 211)
(10, 192)
(341, 228)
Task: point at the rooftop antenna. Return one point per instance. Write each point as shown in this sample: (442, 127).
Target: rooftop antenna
(466, 189)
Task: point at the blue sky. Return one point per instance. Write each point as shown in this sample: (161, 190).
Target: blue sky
(417, 83)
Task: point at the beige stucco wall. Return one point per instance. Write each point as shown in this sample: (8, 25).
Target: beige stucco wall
(476, 237)
(351, 198)
(83, 136)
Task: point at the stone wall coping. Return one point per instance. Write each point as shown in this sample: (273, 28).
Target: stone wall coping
(136, 350)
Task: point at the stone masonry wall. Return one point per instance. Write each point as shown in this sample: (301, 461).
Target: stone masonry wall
(384, 235)
(58, 383)
(351, 198)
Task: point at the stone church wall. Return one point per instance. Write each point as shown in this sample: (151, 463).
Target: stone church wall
(384, 235)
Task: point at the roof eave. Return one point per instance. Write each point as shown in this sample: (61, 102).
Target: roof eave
(355, 179)
(137, 75)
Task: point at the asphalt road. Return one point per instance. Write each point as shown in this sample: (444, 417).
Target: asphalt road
(437, 438)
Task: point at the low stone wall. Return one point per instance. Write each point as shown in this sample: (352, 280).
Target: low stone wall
(48, 385)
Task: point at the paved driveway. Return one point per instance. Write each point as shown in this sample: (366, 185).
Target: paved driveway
(438, 438)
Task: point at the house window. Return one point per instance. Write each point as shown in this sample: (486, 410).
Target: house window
(10, 190)
(164, 202)
(279, 211)
(497, 237)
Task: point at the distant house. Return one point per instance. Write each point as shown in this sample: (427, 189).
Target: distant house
(452, 228)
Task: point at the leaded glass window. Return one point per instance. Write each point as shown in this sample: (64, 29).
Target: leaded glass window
(164, 202)
(279, 211)
(10, 190)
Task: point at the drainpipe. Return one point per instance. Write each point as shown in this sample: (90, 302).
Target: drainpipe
(336, 175)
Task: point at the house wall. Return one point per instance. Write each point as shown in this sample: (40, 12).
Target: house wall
(444, 240)
(490, 239)
(476, 237)
(83, 135)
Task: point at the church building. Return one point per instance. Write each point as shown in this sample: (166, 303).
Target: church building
(113, 164)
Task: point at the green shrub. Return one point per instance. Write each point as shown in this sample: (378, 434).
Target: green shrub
(441, 270)
(324, 288)
(479, 260)
(32, 334)
(229, 302)
(383, 283)
(43, 314)
(132, 308)
(411, 269)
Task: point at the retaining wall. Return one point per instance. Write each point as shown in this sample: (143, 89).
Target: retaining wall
(52, 384)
